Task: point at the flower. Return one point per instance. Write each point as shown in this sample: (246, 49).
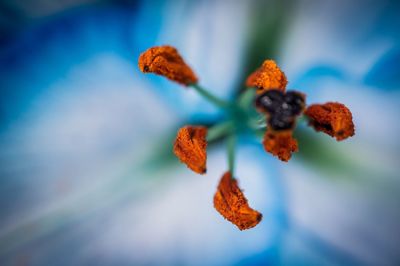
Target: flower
(190, 147)
(280, 109)
(267, 77)
(332, 118)
(231, 203)
(280, 143)
(166, 61)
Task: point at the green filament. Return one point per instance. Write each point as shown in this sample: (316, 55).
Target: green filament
(241, 114)
(212, 98)
(231, 143)
(219, 130)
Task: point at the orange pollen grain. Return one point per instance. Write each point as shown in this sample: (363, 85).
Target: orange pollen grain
(190, 147)
(268, 76)
(231, 203)
(280, 144)
(332, 118)
(167, 62)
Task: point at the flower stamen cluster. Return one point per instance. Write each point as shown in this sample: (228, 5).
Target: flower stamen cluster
(267, 94)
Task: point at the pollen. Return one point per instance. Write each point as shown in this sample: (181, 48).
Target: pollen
(332, 118)
(190, 147)
(167, 62)
(231, 203)
(269, 76)
(280, 144)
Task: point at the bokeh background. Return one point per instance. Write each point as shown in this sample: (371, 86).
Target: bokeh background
(87, 176)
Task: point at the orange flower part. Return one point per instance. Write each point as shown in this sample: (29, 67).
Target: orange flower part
(190, 147)
(333, 118)
(267, 77)
(280, 143)
(166, 61)
(230, 202)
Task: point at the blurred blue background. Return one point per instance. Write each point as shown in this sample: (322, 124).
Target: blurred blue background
(87, 176)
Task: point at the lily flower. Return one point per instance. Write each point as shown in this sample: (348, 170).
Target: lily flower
(279, 108)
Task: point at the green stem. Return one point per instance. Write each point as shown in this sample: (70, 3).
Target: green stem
(231, 143)
(210, 97)
(245, 99)
(219, 130)
(256, 124)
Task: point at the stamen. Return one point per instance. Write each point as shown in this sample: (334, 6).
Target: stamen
(231, 144)
(210, 97)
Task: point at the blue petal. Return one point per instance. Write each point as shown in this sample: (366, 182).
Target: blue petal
(385, 74)
(308, 78)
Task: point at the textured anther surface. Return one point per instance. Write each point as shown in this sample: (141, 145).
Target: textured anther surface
(166, 61)
(231, 203)
(280, 144)
(268, 76)
(190, 147)
(332, 118)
